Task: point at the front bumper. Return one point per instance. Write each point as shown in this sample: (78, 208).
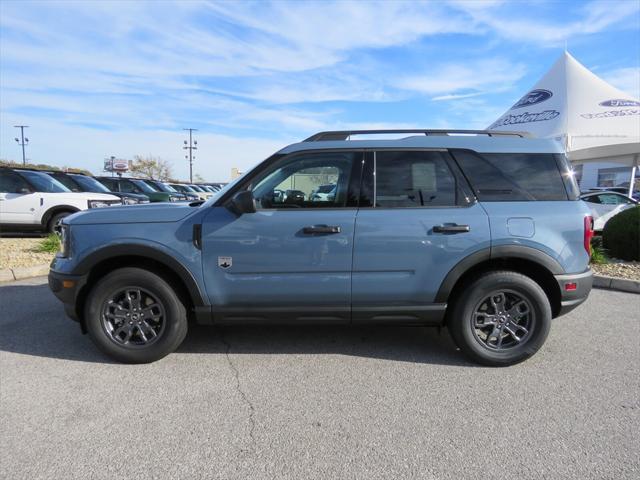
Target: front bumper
(67, 288)
(571, 297)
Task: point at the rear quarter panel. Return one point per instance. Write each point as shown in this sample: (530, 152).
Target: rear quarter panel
(555, 228)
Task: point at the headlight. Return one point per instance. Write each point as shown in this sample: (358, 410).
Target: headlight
(63, 232)
(130, 201)
(103, 203)
(173, 199)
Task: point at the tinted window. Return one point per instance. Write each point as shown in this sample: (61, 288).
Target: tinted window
(612, 199)
(164, 187)
(144, 186)
(111, 184)
(503, 177)
(293, 181)
(90, 184)
(413, 179)
(127, 187)
(12, 183)
(44, 182)
(67, 182)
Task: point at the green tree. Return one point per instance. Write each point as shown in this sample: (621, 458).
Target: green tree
(151, 167)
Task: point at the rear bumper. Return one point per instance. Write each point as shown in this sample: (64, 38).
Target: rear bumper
(570, 299)
(67, 287)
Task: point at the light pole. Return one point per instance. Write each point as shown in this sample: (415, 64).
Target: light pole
(191, 146)
(25, 141)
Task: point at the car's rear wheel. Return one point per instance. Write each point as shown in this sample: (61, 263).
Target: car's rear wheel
(134, 316)
(500, 318)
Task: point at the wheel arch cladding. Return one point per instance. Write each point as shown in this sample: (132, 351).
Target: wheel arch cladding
(530, 262)
(108, 259)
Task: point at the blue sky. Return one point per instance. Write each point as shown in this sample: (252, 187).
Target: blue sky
(99, 78)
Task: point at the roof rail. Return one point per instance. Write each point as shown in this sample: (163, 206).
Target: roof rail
(345, 134)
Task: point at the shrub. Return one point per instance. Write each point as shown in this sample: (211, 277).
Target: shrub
(621, 235)
(598, 253)
(50, 244)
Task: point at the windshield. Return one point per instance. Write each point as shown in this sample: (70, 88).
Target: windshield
(196, 188)
(164, 187)
(43, 182)
(144, 186)
(184, 188)
(90, 184)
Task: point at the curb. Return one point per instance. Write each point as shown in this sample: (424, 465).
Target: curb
(21, 273)
(618, 284)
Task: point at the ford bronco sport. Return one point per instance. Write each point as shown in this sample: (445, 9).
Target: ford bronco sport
(481, 232)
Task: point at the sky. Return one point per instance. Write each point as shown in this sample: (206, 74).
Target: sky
(98, 78)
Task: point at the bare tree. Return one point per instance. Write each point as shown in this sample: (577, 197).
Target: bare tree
(198, 178)
(151, 167)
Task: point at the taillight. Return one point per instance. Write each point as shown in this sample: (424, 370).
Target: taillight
(588, 233)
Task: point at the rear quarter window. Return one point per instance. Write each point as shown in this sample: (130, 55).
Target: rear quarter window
(508, 177)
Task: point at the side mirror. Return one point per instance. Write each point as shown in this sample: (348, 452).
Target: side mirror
(243, 202)
(24, 190)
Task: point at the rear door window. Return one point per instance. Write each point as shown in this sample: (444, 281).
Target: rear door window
(413, 179)
(504, 177)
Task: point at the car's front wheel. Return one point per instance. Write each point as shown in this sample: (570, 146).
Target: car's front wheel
(500, 318)
(134, 316)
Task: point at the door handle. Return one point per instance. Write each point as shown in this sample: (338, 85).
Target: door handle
(451, 228)
(321, 230)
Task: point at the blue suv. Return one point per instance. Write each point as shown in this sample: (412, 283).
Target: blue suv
(481, 232)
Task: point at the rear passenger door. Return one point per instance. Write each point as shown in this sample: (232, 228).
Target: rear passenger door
(417, 220)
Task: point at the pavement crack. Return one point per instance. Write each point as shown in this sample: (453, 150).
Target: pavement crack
(242, 393)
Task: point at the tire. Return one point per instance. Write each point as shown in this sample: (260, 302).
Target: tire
(53, 221)
(482, 321)
(149, 340)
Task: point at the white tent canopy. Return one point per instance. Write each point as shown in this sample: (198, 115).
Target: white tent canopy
(593, 120)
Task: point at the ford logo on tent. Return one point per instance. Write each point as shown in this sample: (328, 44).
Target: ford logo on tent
(620, 103)
(533, 97)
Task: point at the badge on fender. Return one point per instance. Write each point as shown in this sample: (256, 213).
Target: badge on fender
(225, 262)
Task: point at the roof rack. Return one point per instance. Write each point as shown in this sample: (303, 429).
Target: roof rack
(345, 134)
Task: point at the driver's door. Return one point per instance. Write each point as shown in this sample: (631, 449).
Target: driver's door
(291, 259)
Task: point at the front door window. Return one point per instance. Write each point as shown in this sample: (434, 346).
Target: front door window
(306, 181)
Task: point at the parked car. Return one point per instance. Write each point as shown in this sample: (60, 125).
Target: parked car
(189, 190)
(216, 187)
(32, 200)
(136, 185)
(207, 188)
(605, 204)
(623, 190)
(481, 232)
(203, 193)
(324, 193)
(165, 187)
(77, 182)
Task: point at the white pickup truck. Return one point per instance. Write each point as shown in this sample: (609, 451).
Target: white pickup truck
(32, 200)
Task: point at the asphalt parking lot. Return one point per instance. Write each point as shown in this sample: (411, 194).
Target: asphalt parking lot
(314, 402)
